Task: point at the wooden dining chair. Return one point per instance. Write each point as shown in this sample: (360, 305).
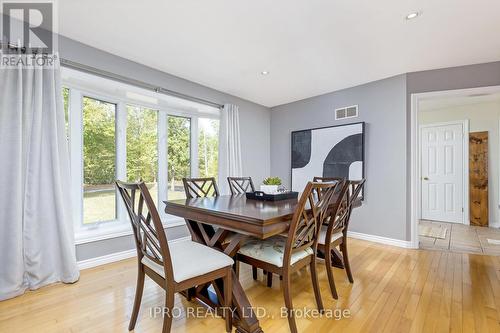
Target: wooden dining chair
(174, 267)
(315, 179)
(335, 229)
(284, 256)
(200, 187)
(237, 186)
(240, 185)
(355, 188)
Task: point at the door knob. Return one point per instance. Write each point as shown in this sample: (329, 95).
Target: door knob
(426, 178)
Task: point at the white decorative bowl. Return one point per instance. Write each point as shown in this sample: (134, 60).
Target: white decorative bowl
(269, 189)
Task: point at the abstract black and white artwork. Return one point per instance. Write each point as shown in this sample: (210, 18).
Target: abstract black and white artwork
(336, 151)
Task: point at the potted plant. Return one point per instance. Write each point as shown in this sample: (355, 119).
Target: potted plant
(270, 185)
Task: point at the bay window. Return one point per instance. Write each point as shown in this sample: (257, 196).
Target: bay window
(120, 132)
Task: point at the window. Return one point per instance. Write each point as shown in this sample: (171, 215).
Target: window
(179, 155)
(142, 147)
(121, 132)
(99, 195)
(208, 147)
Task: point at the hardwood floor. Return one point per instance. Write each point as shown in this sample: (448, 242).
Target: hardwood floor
(395, 290)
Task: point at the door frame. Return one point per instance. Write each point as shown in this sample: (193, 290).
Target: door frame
(465, 165)
(414, 149)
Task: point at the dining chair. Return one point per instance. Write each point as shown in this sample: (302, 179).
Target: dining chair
(338, 188)
(335, 228)
(175, 267)
(200, 187)
(240, 185)
(284, 256)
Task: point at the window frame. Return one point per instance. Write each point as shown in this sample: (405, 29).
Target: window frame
(121, 225)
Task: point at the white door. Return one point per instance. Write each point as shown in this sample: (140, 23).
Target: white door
(442, 173)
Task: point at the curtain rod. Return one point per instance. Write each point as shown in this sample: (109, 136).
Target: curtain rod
(137, 83)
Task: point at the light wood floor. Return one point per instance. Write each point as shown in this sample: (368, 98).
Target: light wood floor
(395, 290)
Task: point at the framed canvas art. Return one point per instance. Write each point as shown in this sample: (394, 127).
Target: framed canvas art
(335, 151)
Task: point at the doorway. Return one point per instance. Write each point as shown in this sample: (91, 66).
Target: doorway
(450, 174)
(443, 165)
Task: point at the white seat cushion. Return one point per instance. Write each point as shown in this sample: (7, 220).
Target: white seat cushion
(191, 259)
(322, 235)
(271, 250)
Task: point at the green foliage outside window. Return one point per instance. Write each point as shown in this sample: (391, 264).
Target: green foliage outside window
(208, 147)
(179, 137)
(99, 142)
(142, 144)
(99, 149)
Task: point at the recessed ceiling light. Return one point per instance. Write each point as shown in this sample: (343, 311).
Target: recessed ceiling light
(264, 72)
(413, 15)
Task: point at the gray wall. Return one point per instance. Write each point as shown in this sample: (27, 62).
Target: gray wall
(382, 105)
(385, 106)
(254, 118)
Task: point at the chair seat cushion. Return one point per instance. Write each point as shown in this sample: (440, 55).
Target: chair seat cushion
(322, 235)
(191, 259)
(272, 250)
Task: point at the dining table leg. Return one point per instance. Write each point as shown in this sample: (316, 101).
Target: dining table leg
(245, 318)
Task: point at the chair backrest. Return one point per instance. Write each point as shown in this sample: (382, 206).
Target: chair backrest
(355, 187)
(149, 235)
(240, 185)
(200, 187)
(339, 187)
(318, 179)
(310, 213)
(339, 213)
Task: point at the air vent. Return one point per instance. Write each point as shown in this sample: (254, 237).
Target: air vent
(347, 112)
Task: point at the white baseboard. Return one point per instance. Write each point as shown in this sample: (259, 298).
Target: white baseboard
(380, 239)
(117, 256)
(494, 224)
(107, 259)
(113, 257)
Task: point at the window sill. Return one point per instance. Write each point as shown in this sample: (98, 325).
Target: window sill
(95, 235)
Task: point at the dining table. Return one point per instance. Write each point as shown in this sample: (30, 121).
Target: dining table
(224, 222)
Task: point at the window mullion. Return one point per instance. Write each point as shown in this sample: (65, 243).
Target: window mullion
(76, 155)
(162, 161)
(194, 147)
(121, 155)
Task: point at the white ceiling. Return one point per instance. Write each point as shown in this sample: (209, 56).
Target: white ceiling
(310, 47)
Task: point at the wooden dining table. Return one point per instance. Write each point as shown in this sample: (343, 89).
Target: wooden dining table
(224, 222)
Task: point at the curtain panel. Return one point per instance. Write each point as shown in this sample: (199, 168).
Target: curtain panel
(36, 230)
(230, 164)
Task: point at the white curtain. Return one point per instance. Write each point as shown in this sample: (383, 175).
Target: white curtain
(230, 164)
(36, 233)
